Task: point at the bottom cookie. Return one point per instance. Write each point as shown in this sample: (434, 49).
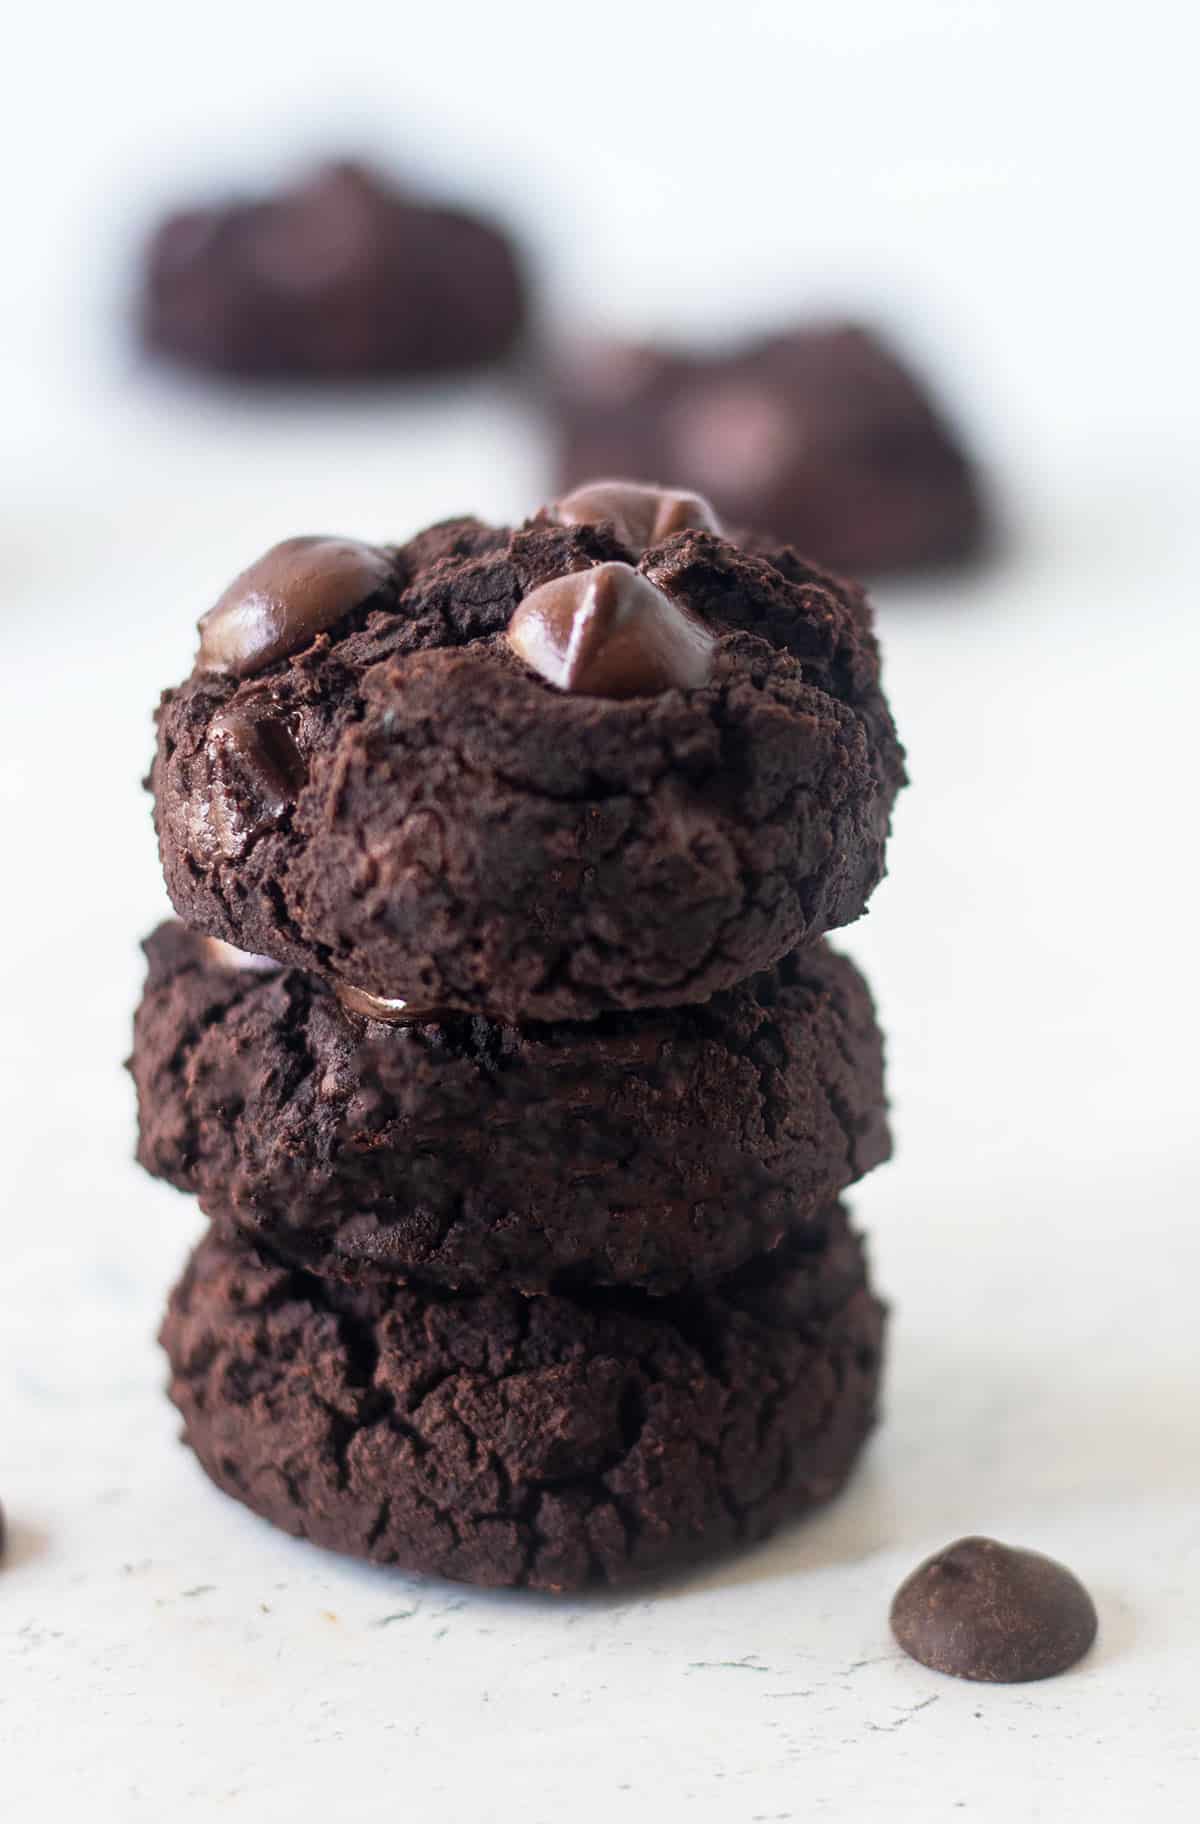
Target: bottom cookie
(549, 1442)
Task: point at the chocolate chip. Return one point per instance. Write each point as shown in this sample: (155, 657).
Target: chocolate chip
(608, 632)
(377, 1007)
(296, 590)
(256, 773)
(264, 748)
(642, 516)
(981, 1610)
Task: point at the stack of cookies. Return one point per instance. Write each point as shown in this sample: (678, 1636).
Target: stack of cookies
(502, 1046)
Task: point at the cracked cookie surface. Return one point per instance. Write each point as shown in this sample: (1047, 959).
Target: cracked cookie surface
(547, 1442)
(652, 1149)
(405, 807)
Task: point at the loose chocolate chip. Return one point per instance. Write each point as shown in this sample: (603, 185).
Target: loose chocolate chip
(377, 1007)
(296, 590)
(608, 632)
(981, 1610)
(642, 516)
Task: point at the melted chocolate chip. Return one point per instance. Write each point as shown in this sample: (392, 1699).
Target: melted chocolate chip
(642, 516)
(264, 749)
(608, 632)
(377, 1007)
(296, 590)
(257, 772)
(991, 1612)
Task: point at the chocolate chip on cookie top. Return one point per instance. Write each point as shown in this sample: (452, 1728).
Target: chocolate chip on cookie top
(641, 516)
(609, 632)
(297, 589)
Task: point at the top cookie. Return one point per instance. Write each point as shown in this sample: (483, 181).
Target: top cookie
(606, 760)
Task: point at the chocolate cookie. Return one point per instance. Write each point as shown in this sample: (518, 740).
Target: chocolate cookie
(534, 774)
(549, 1442)
(653, 1150)
(340, 276)
(820, 435)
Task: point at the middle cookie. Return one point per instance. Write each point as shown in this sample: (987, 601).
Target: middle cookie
(654, 1150)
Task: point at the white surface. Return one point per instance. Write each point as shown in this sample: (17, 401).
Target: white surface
(1019, 171)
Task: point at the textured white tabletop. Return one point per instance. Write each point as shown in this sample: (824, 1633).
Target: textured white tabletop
(165, 1655)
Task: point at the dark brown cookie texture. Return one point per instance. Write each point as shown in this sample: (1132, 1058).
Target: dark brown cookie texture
(992, 1612)
(655, 1150)
(340, 276)
(396, 799)
(546, 1442)
(822, 435)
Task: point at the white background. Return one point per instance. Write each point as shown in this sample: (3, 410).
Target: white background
(1011, 187)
